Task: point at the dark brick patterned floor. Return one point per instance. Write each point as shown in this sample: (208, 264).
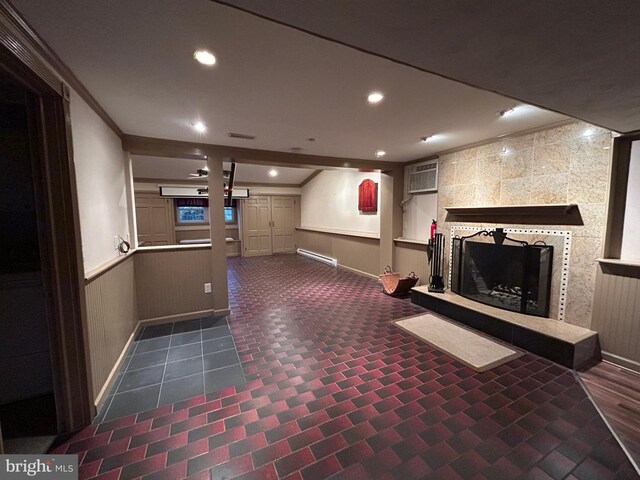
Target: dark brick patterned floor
(335, 391)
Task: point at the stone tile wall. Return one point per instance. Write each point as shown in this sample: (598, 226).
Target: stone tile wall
(567, 164)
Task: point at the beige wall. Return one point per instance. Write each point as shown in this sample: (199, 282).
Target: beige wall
(111, 318)
(330, 202)
(616, 314)
(568, 164)
(171, 282)
(362, 254)
(411, 258)
(101, 180)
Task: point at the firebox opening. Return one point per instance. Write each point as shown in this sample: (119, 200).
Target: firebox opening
(511, 277)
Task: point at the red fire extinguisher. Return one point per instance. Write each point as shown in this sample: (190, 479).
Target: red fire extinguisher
(434, 226)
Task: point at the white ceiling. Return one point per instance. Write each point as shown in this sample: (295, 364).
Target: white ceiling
(579, 57)
(180, 168)
(271, 81)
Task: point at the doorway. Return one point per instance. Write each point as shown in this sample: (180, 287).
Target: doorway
(27, 402)
(268, 225)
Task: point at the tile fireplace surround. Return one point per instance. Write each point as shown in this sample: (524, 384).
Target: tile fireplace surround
(569, 164)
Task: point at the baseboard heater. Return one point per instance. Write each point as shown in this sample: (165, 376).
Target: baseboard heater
(318, 257)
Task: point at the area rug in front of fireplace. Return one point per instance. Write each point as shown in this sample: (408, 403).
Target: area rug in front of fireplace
(469, 348)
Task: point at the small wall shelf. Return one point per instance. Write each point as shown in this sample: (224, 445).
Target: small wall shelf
(410, 240)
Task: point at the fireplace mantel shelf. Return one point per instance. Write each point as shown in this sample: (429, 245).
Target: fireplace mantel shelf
(555, 209)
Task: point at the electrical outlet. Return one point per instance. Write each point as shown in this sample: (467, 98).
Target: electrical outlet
(207, 288)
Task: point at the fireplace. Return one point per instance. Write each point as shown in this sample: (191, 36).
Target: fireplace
(506, 273)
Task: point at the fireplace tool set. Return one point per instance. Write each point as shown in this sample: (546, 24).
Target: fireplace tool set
(435, 254)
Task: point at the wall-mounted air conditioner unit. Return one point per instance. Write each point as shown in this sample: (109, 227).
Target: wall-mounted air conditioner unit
(423, 177)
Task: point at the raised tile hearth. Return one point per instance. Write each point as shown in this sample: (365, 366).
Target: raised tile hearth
(560, 342)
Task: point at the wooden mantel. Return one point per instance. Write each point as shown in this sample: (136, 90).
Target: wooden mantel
(552, 214)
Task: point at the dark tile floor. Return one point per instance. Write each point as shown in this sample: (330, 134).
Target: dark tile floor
(172, 362)
(336, 391)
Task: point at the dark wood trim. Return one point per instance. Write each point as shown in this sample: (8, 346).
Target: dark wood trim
(565, 214)
(310, 177)
(59, 226)
(560, 210)
(618, 194)
(158, 147)
(31, 46)
(198, 182)
(29, 69)
(263, 184)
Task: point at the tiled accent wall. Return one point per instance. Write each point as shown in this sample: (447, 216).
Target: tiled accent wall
(567, 164)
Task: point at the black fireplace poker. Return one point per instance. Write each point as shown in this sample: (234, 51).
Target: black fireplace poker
(435, 254)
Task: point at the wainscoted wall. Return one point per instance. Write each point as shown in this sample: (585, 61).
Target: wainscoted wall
(615, 313)
(330, 203)
(170, 281)
(358, 253)
(408, 258)
(567, 164)
(111, 318)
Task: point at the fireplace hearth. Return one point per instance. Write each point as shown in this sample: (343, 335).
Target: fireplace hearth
(506, 273)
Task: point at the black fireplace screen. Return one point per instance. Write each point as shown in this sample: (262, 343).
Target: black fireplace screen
(512, 277)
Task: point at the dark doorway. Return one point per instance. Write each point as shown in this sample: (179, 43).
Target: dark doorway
(27, 402)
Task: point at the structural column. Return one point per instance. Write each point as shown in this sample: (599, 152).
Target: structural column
(391, 189)
(219, 287)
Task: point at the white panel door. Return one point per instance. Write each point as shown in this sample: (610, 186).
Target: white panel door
(256, 221)
(282, 221)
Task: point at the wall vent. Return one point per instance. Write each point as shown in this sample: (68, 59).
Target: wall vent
(423, 177)
(242, 136)
(316, 256)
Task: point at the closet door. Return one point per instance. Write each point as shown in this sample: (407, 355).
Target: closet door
(282, 221)
(257, 226)
(154, 220)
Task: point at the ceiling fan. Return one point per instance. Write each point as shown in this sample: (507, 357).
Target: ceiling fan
(227, 176)
(201, 173)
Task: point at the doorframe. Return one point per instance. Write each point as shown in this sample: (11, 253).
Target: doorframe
(58, 222)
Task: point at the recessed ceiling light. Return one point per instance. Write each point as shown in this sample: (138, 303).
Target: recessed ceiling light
(273, 172)
(504, 113)
(380, 153)
(375, 97)
(205, 57)
(199, 126)
(426, 139)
